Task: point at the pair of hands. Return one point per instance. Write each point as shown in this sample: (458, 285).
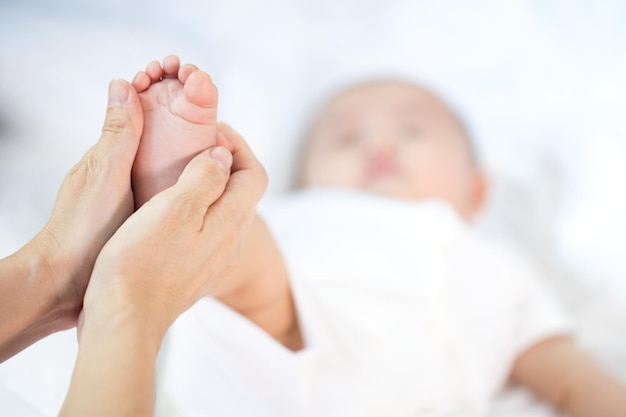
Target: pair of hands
(160, 260)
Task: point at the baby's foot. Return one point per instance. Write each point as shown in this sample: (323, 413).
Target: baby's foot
(180, 110)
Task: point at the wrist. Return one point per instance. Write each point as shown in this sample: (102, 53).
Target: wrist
(32, 296)
(135, 324)
(116, 365)
(123, 304)
(46, 286)
(55, 276)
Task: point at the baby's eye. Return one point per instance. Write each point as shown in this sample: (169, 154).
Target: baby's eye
(347, 139)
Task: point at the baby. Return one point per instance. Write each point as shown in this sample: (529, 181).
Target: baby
(401, 310)
(395, 139)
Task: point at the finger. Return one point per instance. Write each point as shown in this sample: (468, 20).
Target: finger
(122, 127)
(243, 158)
(204, 178)
(246, 185)
(220, 140)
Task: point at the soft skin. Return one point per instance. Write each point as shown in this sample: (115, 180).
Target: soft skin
(129, 274)
(183, 243)
(396, 139)
(42, 285)
(163, 259)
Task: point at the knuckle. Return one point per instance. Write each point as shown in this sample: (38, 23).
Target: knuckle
(195, 204)
(88, 171)
(97, 167)
(212, 182)
(115, 123)
(76, 176)
(187, 209)
(215, 171)
(227, 215)
(93, 165)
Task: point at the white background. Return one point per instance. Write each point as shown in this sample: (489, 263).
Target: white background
(541, 83)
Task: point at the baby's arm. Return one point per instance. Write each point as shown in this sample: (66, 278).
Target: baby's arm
(258, 286)
(259, 289)
(570, 379)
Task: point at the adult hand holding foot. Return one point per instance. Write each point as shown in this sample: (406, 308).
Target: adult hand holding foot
(164, 258)
(184, 239)
(42, 284)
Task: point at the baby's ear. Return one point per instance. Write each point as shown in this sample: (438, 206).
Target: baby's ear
(479, 187)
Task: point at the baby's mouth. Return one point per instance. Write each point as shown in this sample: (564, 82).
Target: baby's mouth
(381, 168)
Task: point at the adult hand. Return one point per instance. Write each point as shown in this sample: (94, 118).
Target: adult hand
(43, 284)
(179, 245)
(95, 198)
(171, 252)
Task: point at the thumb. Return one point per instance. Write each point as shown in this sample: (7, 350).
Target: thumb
(123, 124)
(205, 176)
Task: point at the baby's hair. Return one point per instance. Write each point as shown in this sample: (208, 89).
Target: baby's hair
(305, 140)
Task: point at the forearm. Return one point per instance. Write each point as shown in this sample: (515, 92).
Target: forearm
(570, 379)
(259, 289)
(115, 369)
(31, 305)
(593, 392)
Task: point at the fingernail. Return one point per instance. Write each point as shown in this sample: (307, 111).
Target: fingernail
(118, 93)
(223, 157)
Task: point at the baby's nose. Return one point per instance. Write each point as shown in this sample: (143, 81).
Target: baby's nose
(381, 146)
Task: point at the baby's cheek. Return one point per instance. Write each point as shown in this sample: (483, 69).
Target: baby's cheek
(348, 172)
(331, 170)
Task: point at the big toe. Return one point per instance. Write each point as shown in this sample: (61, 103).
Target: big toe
(200, 90)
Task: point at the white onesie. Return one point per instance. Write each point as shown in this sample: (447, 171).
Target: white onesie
(405, 312)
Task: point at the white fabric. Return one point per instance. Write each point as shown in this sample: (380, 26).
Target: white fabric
(406, 312)
(217, 363)
(34, 382)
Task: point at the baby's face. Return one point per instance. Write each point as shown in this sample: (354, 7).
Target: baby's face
(395, 139)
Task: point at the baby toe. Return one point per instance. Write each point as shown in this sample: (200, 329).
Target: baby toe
(141, 81)
(154, 71)
(200, 90)
(171, 65)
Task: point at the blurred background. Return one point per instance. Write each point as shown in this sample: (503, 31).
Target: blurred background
(541, 84)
